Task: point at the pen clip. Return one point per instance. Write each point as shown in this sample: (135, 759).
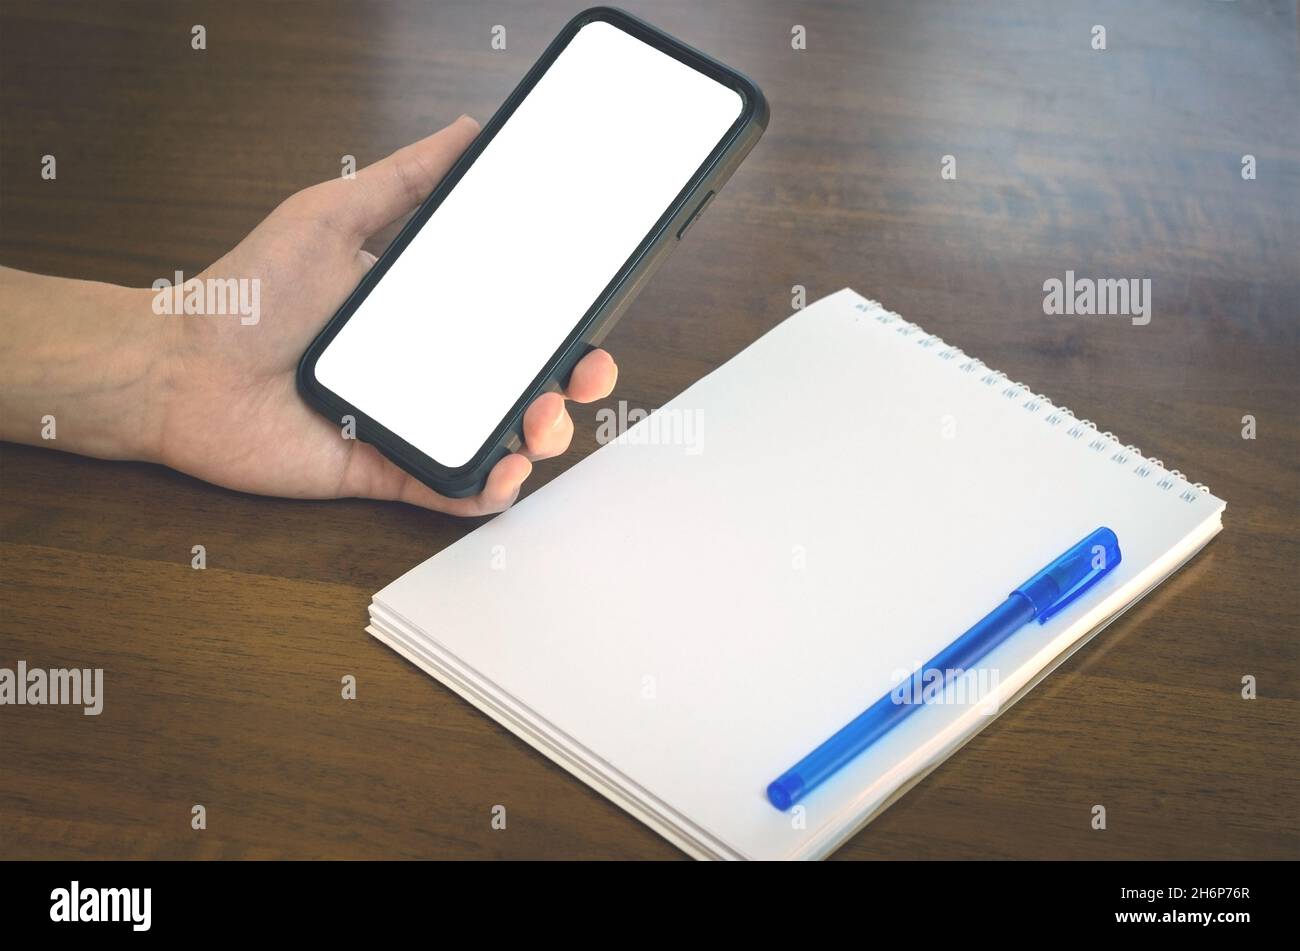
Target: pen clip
(1054, 588)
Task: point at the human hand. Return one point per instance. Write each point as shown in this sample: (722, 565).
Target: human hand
(229, 410)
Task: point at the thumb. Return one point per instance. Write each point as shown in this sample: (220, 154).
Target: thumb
(394, 186)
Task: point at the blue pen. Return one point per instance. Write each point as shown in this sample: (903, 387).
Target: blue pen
(1041, 597)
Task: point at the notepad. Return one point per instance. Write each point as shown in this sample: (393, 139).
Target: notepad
(702, 601)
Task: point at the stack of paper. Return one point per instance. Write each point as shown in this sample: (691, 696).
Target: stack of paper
(697, 605)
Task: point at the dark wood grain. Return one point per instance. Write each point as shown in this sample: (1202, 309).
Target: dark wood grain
(223, 685)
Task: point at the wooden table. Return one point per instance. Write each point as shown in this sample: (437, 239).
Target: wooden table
(223, 685)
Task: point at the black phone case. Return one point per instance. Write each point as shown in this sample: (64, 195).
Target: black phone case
(610, 305)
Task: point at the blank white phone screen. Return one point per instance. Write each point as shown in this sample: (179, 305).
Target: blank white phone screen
(465, 319)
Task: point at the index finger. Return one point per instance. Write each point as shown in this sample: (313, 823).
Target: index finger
(593, 378)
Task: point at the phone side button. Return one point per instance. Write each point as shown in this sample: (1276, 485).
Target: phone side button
(694, 215)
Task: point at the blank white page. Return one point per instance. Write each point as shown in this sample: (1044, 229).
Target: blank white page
(690, 620)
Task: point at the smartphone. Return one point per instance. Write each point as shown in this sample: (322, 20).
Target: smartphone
(531, 247)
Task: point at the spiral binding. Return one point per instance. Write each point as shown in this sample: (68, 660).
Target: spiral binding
(1120, 454)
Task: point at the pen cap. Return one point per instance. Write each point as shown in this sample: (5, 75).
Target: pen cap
(1052, 589)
